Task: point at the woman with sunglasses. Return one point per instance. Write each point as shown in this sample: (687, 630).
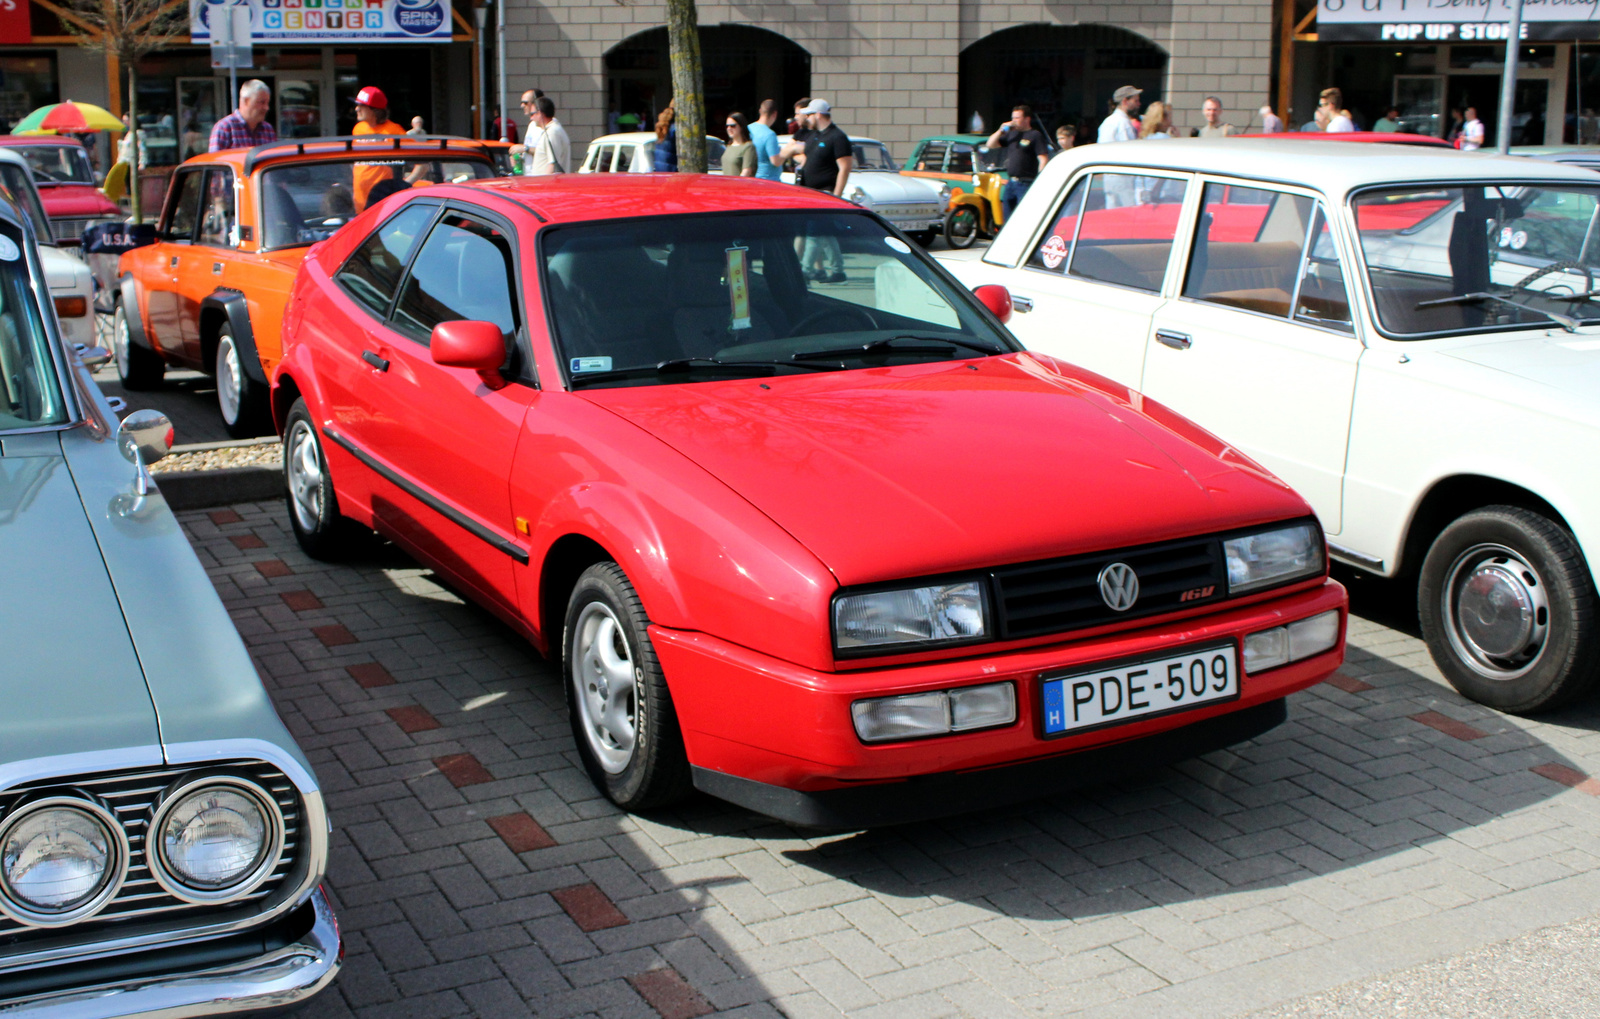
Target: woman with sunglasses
(739, 158)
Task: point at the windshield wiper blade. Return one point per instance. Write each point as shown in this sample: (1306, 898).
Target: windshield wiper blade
(946, 345)
(1566, 322)
(686, 365)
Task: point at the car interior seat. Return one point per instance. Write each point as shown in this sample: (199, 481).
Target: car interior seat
(702, 315)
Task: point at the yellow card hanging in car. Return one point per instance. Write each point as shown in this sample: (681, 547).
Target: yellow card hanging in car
(739, 286)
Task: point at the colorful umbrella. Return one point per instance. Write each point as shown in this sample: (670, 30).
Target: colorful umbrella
(67, 116)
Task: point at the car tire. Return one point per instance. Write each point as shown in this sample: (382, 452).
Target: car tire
(322, 531)
(961, 227)
(622, 714)
(1509, 610)
(241, 400)
(137, 367)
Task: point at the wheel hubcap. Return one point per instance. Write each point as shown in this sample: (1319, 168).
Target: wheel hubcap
(119, 343)
(1496, 612)
(228, 380)
(603, 672)
(303, 465)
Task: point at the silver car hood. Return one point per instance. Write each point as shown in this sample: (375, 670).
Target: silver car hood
(69, 675)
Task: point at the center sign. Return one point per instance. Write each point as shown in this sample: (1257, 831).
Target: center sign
(330, 21)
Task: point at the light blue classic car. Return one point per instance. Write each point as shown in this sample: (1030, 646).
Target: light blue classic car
(162, 839)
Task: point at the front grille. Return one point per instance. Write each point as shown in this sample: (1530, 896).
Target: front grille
(1057, 595)
(141, 902)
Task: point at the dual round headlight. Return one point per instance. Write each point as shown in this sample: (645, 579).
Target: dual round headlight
(214, 838)
(61, 859)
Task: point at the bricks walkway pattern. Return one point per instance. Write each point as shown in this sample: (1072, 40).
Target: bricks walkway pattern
(477, 872)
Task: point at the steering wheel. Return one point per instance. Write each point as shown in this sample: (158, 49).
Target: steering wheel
(826, 313)
(1527, 281)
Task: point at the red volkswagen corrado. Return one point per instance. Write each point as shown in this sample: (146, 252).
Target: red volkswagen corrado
(840, 552)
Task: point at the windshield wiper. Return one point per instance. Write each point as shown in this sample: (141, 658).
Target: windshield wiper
(1566, 322)
(686, 365)
(947, 345)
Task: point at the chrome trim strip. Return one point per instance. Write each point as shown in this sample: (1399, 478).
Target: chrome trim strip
(433, 502)
(39, 769)
(286, 977)
(1354, 558)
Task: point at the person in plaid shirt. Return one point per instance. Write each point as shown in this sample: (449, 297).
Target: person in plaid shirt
(247, 125)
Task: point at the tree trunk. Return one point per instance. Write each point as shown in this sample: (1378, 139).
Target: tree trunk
(133, 145)
(688, 93)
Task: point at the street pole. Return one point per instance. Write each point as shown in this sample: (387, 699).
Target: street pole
(500, 43)
(1508, 80)
(482, 14)
(233, 65)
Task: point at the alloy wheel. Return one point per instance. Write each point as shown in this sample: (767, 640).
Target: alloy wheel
(120, 341)
(230, 377)
(303, 466)
(606, 680)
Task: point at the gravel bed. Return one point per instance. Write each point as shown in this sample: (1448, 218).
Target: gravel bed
(263, 455)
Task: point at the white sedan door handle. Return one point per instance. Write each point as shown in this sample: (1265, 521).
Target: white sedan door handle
(1175, 340)
(1021, 304)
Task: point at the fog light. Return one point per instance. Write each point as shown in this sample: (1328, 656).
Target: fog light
(978, 707)
(935, 713)
(1266, 650)
(1313, 636)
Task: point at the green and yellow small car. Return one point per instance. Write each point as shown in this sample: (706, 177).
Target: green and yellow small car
(951, 158)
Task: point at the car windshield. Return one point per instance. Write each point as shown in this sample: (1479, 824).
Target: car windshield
(30, 395)
(1481, 257)
(58, 164)
(16, 181)
(688, 299)
(303, 203)
(873, 156)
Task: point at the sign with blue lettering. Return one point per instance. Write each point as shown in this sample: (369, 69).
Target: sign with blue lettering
(319, 21)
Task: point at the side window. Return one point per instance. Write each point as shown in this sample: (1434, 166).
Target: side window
(462, 271)
(603, 158)
(1322, 298)
(185, 207)
(960, 160)
(216, 219)
(1056, 246)
(1129, 223)
(371, 274)
(1247, 248)
(931, 157)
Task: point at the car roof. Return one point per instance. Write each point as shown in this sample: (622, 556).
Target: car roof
(972, 138)
(597, 197)
(632, 138)
(36, 139)
(1335, 168)
(1379, 137)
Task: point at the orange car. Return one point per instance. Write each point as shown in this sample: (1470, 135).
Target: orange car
(209, 293)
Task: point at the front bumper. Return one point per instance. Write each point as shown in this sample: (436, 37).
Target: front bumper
(747, 716)
(912, 220)
(277, 980)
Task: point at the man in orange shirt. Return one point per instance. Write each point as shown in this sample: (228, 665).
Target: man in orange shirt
(372, 117)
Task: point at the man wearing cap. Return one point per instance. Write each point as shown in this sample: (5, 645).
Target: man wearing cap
(248, 125)
(829, 158)
(1120, 126)
(372, 117)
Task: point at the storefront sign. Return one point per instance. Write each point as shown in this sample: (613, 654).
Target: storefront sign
(15, 25)
(1448, 21)
(330, 21)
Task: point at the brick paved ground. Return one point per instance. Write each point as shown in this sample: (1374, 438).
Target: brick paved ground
(477, 872)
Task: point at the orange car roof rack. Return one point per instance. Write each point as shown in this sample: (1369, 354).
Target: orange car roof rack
(367, 142)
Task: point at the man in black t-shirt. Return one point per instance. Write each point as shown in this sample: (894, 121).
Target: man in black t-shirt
(1026, 151)
(828, 159)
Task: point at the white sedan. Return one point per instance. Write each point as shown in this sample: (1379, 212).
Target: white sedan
(1410, 338)
(913, 204)
(635, 152)
(67, 275)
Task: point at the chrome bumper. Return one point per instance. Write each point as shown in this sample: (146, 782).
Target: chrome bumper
(277, 980)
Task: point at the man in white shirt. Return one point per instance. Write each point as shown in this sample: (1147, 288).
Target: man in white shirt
(545, 149)
(1120, 126)
(1339, 119)
(1472, 132)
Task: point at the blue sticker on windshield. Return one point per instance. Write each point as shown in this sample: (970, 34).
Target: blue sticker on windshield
(590, 364)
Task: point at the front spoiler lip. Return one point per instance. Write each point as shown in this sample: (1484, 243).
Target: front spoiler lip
(279, 980)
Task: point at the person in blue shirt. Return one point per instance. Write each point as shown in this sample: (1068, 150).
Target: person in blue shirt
(665, 157)
(766, 140)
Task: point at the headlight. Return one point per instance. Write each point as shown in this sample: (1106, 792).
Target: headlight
(1273, 557)
(1281, 645)
(859, 196)
(945, 191)
(61, 859)
(215, 838)
(917, 615)
(935, 713)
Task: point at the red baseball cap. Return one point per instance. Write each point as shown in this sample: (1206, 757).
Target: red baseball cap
(372, 96)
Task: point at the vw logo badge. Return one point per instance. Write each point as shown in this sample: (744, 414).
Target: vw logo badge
(1119, 586)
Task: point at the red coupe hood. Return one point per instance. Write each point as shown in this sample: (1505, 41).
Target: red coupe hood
(924, 469)
(75, 201)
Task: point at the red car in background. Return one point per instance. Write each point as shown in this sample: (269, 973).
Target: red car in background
(66, 181)
(840, 552)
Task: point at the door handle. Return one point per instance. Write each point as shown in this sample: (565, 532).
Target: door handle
(172, 263)
(373, 359)
(1175, 340)
(1021, 304)
(216, 268)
